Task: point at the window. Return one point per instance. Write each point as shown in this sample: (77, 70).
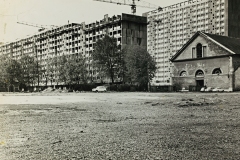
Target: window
(193, 52)
(199, 73)
(199, 50)
(183, 74)
(204, 51)
(217, 71)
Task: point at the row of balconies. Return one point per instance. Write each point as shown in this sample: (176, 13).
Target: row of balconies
(17, 54)
(194, 7)
(97, 34)
(16, 49)
(113, 19)
(28, 50)
(100, 32)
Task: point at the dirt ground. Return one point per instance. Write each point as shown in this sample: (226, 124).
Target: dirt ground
(120, 126)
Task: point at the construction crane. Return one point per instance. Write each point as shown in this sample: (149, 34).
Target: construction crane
(133, 4)
(41, 27)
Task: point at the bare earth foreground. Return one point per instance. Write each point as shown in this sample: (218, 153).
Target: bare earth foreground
(120, 126)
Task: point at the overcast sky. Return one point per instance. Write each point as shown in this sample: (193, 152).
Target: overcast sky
(57, 12)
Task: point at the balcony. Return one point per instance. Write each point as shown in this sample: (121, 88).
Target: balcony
(117, 35)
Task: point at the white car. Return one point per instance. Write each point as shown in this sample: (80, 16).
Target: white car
(218, 89)
(208, 89)
(100, 89)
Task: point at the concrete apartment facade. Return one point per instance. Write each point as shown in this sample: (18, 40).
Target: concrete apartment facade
(68, 39)
(170, 28)
(78, 39)
(127, 29)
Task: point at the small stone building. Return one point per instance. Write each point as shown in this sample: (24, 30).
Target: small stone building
(208, 60)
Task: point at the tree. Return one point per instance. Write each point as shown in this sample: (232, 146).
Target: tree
(10, 71)
(107, 54)
(75, 70)
(70, 69)
(99, 72)
(51, 68)
(3, 69)
(61, 69)
(14, 72)
(140, 66)
(31, 70)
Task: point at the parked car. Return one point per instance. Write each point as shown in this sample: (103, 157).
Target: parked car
(218, 89)
(208, 89)
(100, 89)
(184, 90)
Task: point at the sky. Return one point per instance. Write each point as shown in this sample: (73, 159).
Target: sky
(57, 13)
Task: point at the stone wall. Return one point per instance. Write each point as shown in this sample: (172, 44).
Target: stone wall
(236, 64)
(207, 66)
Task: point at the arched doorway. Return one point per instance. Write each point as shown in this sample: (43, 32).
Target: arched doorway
(199, 78)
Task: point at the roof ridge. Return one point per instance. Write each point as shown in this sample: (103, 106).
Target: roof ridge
(212, 37)
(222, 35)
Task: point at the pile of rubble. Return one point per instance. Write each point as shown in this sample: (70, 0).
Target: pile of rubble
(52, 90)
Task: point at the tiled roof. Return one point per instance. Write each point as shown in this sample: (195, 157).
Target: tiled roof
(228, 43)
(232, 44)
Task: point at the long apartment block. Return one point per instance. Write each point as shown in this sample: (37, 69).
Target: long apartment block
(68, 39)
(79, 39)
(170, 28)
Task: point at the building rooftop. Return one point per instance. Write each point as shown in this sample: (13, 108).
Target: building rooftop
(174, 6)
(231, 43)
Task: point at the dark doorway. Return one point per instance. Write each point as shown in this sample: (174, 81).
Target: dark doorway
(199, 80)
(200, 83)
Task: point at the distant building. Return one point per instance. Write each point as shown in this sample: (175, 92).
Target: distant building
(78, 39)
(174, 25)
(208, 60)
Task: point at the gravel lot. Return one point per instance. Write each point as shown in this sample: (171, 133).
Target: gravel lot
(122, 126)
